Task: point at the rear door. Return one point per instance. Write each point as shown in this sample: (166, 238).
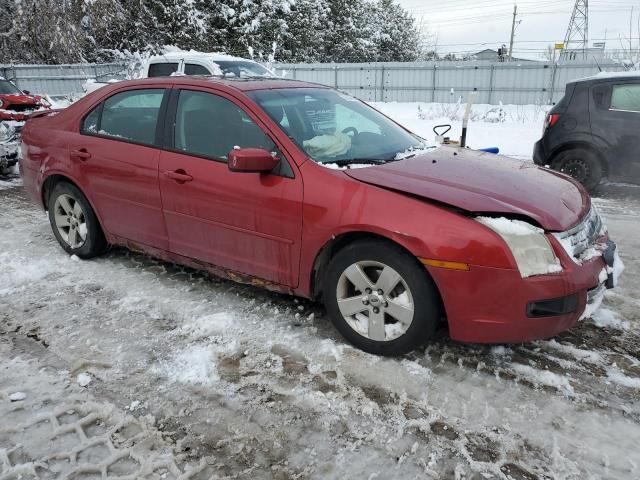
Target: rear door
(115, 154)
(615, 119)
(244, 222)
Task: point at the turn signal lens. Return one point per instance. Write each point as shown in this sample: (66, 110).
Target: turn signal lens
(444, 264)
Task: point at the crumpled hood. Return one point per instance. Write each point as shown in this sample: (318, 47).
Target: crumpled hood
(484, 183)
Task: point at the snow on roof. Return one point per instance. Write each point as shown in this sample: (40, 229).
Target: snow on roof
(174, 53)
(608, 75)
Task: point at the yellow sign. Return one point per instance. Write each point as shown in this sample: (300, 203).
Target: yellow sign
(559, 46)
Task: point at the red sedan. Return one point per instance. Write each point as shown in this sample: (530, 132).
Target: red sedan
(302, 189)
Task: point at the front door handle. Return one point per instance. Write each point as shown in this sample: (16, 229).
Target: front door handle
(179, 175)
(81, 153)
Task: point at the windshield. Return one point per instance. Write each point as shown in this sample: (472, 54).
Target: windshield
(6, 87)
(332, 127)
(242, 69)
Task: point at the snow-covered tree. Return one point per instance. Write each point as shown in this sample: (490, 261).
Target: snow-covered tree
(394, 32)
(180, 22)
(308, 32)
(44, 31)
(65, 31)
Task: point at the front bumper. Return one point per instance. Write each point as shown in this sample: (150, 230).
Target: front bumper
(493, 305)
(10, 149)
(9, 153)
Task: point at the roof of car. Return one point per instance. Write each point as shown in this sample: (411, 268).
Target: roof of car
(242, 84)
(603, 76)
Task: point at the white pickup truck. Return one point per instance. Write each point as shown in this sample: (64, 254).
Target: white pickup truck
(195, 63)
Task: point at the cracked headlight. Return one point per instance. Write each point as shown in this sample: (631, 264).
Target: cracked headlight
(7, 132)
(528, 244)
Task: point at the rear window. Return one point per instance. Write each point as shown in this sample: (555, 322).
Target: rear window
(193, 69)
(162, 69)
(626, 97)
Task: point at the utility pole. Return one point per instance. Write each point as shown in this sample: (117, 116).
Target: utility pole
(513, 31)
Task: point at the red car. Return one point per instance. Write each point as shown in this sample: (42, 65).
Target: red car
(302, 189)
(15, 107)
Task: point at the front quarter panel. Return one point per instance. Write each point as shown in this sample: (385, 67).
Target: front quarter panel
(336, 204)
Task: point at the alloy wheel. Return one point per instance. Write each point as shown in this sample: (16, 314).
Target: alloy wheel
(70, 221)
(375, 301)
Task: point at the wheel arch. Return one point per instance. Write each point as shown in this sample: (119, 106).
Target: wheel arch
(55, 178)
(338, 242)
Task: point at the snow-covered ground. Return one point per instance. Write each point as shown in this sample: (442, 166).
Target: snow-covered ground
(512, 128)
(126, 365)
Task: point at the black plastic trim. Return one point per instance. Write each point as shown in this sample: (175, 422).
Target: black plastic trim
(553, 307)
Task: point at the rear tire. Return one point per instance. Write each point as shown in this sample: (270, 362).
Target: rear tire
(582, 165)
(380, 298)
(74, 222)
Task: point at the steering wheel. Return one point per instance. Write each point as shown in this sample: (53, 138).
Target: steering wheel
(351, 129)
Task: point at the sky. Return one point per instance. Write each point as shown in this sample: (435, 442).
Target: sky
(473, 25)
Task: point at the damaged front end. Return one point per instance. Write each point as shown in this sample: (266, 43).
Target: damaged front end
(9, 144)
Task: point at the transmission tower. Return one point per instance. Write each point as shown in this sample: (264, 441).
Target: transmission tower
(576, 41)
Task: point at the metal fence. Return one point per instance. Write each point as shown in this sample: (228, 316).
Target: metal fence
(59, 80)
(518, 83)
(444, 82)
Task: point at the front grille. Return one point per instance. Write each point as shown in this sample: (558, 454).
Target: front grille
(582, 236)
(21, 108)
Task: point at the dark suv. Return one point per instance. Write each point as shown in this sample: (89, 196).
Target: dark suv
(594, 131)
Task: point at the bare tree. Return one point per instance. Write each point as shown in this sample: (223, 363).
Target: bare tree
(428, 47)
(630, 51)
(549, 53)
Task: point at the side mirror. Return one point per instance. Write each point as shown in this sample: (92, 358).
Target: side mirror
(251, 160)
(26, 92)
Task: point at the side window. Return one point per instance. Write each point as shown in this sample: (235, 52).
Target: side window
(130, 116)
(193, 69)
(162, 69)
(90, 122)
(211, 126)
(626, 97)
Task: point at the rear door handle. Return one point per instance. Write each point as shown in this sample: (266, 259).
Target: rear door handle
(179, 176)
(82, 154)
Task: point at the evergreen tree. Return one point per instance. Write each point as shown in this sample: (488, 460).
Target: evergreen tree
(67, 31)
(308, 32)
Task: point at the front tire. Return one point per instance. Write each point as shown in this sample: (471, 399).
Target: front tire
(380, 298)
(74, 222)
(582, 165)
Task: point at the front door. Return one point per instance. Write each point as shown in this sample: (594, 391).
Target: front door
(244, 222)
(616, 119)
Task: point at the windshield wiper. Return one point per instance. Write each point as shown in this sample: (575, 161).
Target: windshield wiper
(363, 161)
(413, 151)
